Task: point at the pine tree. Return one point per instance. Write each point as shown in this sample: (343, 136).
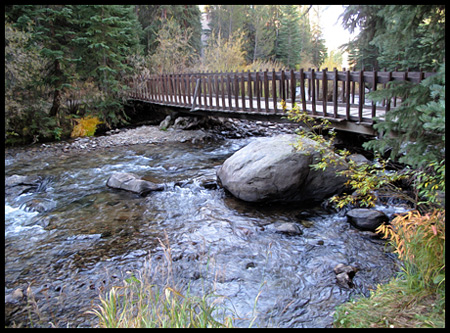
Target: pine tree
(289, 37)
(81, 44)
(263, 32)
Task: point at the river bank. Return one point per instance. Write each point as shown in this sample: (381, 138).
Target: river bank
(152, 134)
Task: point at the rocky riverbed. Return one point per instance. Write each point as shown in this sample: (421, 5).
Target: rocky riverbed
(153, 134)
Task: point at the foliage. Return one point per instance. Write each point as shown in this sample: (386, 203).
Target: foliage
(416, 298)
(154, 17)
(85, 126)
(419, 122)
(391, 305)
(290, 38)
(223, 54)
(333, 60)
(264, 34)
(76, 44)
(419, 240)
(403, 36)
(369, 182)
(174, 53)
(155, 300)
(23, 95)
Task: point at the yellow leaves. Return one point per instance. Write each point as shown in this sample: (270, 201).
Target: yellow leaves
(85, 126)
(413, 231)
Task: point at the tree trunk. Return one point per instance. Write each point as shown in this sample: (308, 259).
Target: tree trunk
(57, 93)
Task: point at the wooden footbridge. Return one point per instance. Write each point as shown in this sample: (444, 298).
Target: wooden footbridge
(339, 96)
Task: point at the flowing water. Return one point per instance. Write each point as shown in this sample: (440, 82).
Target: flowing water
(89, 237)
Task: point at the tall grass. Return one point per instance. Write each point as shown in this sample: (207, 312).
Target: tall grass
(142, 302)
(416, 298)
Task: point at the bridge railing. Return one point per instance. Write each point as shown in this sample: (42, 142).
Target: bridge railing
(338, 95)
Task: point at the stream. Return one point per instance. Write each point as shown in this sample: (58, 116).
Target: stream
(85, 238)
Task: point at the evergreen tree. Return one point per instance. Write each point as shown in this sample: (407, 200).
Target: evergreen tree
(225, 20)
(289, 37)
(80, 44)
(153, 17)
(318, 48)
(414, 37)
(362, 53)
(263, 31)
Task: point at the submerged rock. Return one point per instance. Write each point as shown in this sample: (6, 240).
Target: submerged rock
(272, 169)
(366, 218)
(130, 182)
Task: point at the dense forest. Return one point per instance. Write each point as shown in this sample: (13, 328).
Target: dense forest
(67, 66)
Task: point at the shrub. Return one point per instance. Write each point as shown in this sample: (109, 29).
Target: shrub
(85, 126)
(419, 241)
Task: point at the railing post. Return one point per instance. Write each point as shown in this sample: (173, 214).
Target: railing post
(313, 92)
(324, 91)
(374, 88)
(361, 94)
(266, 90)
(347, 99)
(229, 91)
(293, 87)
(249, 87)
(197, 83)
(243, 90)
(274, 91)
(388, 102)
(236, 90)
(210, 91)
(282, 86)
(302, 89)
(257, 92)
(335, 93)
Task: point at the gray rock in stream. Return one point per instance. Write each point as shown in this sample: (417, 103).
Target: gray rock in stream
(132, 183)
(272, 169)
(366, 218)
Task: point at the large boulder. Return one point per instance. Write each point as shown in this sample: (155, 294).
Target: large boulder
(130, 182)
(272, 169)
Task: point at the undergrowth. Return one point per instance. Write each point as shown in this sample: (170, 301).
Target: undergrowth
(153, 299)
